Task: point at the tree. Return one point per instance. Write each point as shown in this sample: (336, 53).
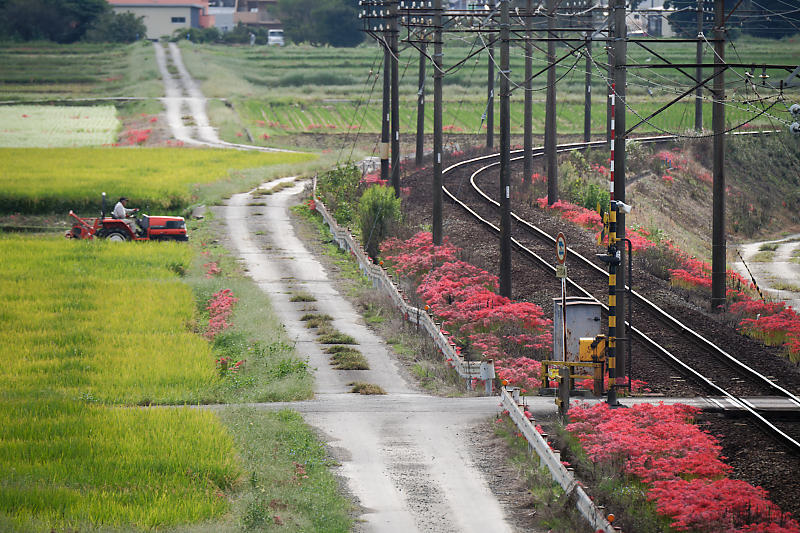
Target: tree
(111, 27)
(766, 18)
(63, 21)
(320, 22)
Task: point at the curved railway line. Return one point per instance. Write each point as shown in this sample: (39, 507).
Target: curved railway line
(684, 349)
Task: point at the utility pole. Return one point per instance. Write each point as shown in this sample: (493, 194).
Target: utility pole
(394, 34)
(505, 154)
(421, 106)
(550, 133)
(527, 139)
(718, 246)
(437, 123)
(618, 147)
(610, 71)
(387, 83)
(587, 103)
(698, 99)
(490, 90)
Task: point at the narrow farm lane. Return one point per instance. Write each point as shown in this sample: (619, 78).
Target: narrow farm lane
(779, 277)
(405, 456)
(183, 98)
(408, 458)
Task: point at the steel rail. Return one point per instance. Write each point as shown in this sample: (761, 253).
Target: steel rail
(644, 337)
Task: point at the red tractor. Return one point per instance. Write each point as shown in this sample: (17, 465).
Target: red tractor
(148, 228)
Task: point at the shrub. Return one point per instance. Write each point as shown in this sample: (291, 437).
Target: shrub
(377, 210)
(338, 188)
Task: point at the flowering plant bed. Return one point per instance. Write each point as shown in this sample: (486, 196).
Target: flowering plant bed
(680, 466)
(481, 323)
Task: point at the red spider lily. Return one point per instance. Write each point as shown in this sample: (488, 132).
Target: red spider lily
(373, 179)
(220, 308)
(681, 465)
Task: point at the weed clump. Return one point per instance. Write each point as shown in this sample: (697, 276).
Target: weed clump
(360, 387)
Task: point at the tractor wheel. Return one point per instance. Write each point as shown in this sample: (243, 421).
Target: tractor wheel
(116, 235)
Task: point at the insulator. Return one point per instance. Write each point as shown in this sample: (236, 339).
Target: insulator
(795, 110)
(794, 127)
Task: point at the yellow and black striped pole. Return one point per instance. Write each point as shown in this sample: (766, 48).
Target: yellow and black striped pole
(611, 354)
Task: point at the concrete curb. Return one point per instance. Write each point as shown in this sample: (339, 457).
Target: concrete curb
(552, 459)
(468, 370)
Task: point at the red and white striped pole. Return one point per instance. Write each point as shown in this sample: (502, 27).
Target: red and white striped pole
(613, 127)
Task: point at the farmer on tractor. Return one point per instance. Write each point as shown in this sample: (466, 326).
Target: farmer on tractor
(121, 212)
(118, 227)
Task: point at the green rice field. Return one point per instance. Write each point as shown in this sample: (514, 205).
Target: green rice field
(322, 90)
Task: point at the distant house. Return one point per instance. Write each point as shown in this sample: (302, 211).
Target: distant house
(650, 18)
(255, 13)
(163, 17)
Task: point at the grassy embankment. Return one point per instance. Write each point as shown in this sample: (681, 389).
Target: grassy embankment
(280, 91)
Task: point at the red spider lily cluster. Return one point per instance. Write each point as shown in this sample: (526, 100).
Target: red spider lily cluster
(576, 214)
(601, 169)
(373, 178)
(672, 159)
(453, 128)
(226, 366)
(771, 322)
(134, 137)
(464, 298)
(212, 269)
(416, 256)
(311, 127)
(220, 309)
(680, 463)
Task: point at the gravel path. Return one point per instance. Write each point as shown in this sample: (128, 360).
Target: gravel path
(406, 457)
(781, 271)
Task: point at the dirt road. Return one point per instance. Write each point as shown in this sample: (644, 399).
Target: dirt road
(777, 275)
(409, 459)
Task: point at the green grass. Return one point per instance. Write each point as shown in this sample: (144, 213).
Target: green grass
(302, 296)
(784, 286)
(768, 247)
(331, 336)
(316, 320)
(554, 510)
(349, 360)
(763, 257)
(287, 476)
(367, 389)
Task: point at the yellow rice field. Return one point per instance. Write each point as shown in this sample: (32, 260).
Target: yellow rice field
(88, 331)
(40, 180)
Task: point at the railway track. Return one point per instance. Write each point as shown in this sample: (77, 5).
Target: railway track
(679, 345)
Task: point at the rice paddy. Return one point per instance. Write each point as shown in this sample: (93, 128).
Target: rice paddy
(106, 332)
(40, 180)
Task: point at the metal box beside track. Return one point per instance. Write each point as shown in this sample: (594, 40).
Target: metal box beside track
(583, 320)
